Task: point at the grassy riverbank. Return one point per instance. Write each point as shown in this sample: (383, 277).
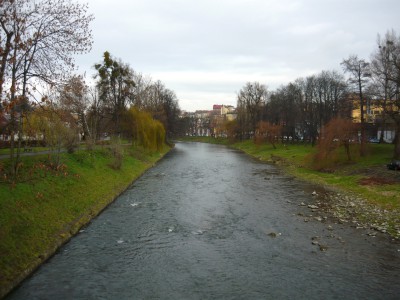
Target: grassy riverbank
(366, 176)
(369, 193)
(50, 205)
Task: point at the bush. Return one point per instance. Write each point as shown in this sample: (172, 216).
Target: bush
(117, 153)
(337, 134)
(71, 141)
(267, 132)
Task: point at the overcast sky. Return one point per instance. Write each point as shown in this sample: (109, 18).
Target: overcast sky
(206, 50)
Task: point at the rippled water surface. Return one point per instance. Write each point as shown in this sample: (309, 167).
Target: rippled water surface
(211, 223)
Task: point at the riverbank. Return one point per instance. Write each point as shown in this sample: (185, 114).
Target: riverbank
(363, 192)
(49, 205)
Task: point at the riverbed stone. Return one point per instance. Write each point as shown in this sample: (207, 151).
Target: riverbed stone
(274, 234)
(323, 247)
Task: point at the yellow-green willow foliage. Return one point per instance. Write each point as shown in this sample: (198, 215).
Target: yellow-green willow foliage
(55, 127)
(145, 130)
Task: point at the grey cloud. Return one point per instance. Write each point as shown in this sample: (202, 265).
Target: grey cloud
(206, 48)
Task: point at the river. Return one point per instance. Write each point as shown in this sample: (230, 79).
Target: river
(209, 222)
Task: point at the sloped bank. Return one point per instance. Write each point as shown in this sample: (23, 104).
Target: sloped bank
(374, 208)
(49, 206)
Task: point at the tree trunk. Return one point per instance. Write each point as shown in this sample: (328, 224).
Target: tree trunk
(4, 56)
(396, 154)
(86, 131)
(14, 161)
(346, 145)
(363, 148)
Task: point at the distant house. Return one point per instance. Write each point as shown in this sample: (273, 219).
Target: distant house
(223, 110)
(377, 121)
(209, 122)
(221, 114)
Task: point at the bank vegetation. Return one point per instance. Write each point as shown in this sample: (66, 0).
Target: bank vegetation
(51, 203)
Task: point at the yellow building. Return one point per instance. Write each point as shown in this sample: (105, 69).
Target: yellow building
(378, 122)
(372, 114)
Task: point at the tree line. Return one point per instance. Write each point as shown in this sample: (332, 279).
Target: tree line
(42, 99)
(301, 109)
(117, 91)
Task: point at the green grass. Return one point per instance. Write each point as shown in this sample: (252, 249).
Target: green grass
(345, 176)
(205, 139)
(296, 154)
(47, 207)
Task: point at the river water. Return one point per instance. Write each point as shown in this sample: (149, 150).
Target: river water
(209, 222)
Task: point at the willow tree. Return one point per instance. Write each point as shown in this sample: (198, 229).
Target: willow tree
(144, 130)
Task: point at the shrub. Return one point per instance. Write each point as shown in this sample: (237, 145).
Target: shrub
(334, 135)
(267, 132)
(117, 153)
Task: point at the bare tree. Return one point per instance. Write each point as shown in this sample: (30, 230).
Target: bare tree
(391, 48)
(41, 38)
(310, 118)
(6, 35)
(360, 74)
(75, 99)
(304, 106)
(250, 102)
(383, 88)
(141, 89)
(160, 101)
